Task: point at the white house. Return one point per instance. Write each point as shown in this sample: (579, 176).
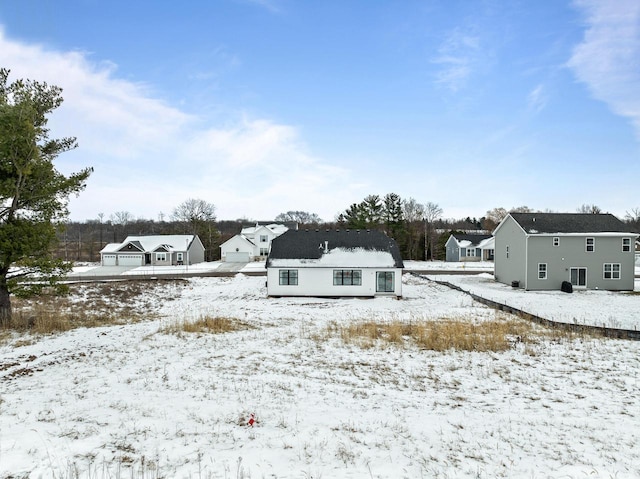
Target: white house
(469, 247)
(159, 250)
(335, 264)
(252, 243)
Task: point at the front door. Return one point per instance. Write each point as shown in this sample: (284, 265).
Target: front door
(579, 277)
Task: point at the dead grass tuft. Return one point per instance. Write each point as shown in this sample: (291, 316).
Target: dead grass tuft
(89, 305)
(444, 334)
(205, 324)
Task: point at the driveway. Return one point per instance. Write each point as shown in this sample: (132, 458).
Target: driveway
(99, 271)
(230, 267)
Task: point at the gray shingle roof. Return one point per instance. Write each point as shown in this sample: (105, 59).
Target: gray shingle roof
(570, 223)
(472, 238)
(305, 244)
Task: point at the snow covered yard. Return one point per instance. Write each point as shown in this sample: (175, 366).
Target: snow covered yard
(135, 401)
(609, 309)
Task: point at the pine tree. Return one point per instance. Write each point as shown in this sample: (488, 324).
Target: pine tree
(33, 194)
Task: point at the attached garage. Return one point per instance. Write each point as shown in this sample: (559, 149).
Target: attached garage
(108, 260)
(237, 257)
(130, 260)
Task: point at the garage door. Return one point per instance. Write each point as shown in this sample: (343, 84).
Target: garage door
(108, 260)
(237, 257)
(130, 260)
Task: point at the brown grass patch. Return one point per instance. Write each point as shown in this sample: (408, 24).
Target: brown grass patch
(205, 324)
(90, 305)
(445, 334)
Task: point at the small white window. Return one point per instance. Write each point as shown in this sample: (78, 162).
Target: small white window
(264, 238)
(161, 256)
(542, 270)
(611, 271)
(590, 245)
(556, 241)
(626, 245)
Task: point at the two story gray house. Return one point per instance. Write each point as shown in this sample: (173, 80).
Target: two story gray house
(538, 251)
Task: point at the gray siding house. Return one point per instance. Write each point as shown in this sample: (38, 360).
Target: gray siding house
(538, 251)
(469, 247)
(157, 250)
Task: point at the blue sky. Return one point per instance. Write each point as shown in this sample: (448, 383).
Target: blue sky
(265, 106)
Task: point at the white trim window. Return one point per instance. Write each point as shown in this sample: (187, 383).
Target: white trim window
(161, 256)
(385, 281)
(288, 277)
(347, 277)
(542, 270)
(590, 245)
(611, 271)
(626, 245)
(264, 238)
(556, 241)
(264, 251)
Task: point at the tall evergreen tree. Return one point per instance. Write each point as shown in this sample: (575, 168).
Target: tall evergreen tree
(33, 194)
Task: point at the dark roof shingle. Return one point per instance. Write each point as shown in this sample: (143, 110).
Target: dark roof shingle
(569, 223)
(305, 244)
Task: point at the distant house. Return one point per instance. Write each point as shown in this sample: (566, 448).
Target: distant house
(469, 247)
(253, 242)
(335, 264)
(160, 250)
(538, 251)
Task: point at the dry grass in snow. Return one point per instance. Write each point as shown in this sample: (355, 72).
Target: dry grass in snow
(337, 388)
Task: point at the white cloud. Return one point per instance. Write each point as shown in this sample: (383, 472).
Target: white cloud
(149, 156)
(607, 59)
(537, 99)
(458, 57)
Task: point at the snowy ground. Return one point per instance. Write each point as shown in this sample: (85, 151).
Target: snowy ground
(133, 401)
(620, 310)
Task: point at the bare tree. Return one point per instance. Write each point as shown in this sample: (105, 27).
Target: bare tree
(122, 219)
(194, 212)
(590, 209)
(432, 212)
(413, 216)
(300, 217)
(198, 217)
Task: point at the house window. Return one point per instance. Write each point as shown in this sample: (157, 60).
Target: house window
(542, 270)
(178, 256)
(347, 277)
(161, 256)
(288, 277)
(385, 281)
(590, 245)
(471, 252)
(556, 241)
(264, 238)
(612, 271)
(507, 251)
(626, 245)
(264, 251)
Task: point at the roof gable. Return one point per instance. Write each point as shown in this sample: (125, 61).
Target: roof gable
(336, 247)
(469, 239)
(549, 223)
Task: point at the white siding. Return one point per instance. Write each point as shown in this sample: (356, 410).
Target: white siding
(319, 282)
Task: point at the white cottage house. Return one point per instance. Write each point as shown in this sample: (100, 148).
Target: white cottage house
(159, 250)
(334, 263)
(253, 242)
